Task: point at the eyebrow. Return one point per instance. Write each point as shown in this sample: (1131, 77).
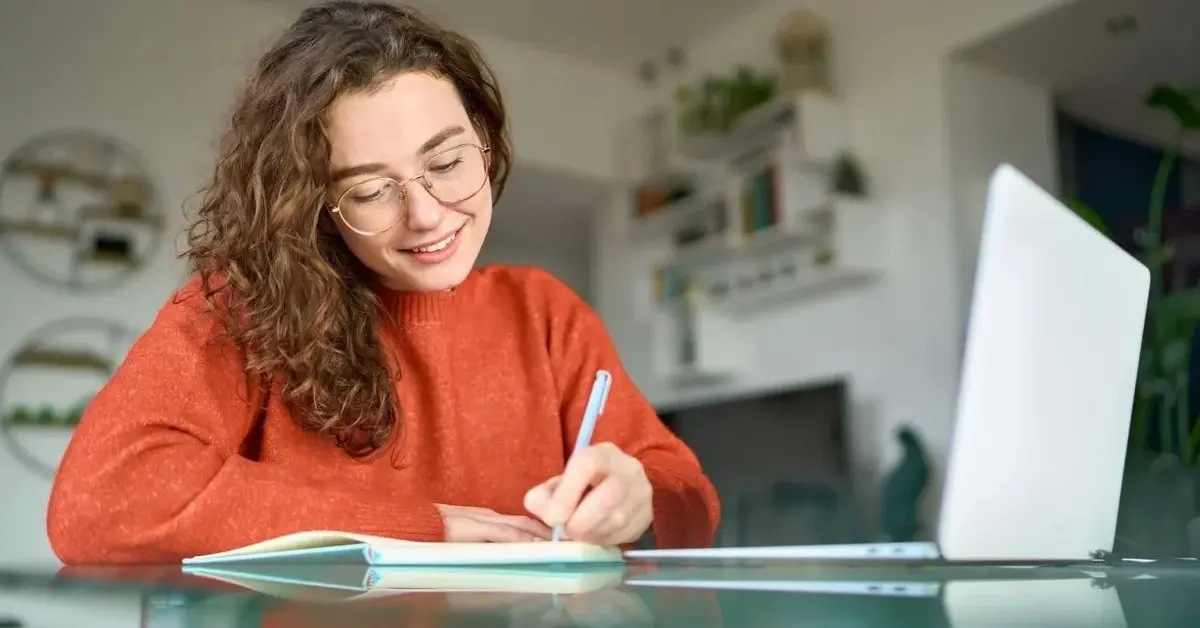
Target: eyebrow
(433, 142)
(439, 137)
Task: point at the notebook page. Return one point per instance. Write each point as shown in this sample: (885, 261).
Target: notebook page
(298, 541)
(389, 552)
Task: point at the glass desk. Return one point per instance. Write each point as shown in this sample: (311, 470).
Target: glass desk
(642, 594)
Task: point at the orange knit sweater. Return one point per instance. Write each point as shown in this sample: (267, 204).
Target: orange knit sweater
(494, 379)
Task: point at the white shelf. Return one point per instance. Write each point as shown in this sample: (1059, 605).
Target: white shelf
(813, 284)
(716, 251)
(834, 246)
(815, 120)
(678, 215)
(855, 234)
(696, 378)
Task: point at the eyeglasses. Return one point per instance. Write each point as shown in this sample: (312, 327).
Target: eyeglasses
(451, 176)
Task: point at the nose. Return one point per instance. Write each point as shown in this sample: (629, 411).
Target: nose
(424, 211)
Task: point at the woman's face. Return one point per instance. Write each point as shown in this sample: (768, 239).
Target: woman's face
(380, 141)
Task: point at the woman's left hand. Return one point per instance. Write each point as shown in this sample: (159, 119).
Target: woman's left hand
(617, 508)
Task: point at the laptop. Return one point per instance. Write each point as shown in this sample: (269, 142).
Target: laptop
(1045, 397)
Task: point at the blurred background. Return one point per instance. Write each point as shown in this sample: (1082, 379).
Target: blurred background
(774, 204)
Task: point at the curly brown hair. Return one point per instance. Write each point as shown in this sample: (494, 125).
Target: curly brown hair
(299, 306)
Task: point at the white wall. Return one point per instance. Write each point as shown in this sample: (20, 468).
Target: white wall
(561, 110)
(160, 76)
(900, 342)
(993, 119)
(100, 66)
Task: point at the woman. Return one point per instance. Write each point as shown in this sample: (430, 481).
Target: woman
(336, 363)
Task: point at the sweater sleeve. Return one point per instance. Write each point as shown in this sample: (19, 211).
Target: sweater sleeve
(154, 472)
(686, 508)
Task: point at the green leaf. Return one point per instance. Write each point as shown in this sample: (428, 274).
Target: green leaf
(1158, 255)
(1179, 103)
(1177, 314)
(1089, 215)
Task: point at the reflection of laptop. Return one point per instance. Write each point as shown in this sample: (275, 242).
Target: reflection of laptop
(1018, 599)
(1036, 460)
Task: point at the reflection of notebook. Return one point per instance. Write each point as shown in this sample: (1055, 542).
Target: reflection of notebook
(330, 547)
(334, 583)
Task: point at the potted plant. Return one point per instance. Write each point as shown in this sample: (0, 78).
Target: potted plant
(1162, 475)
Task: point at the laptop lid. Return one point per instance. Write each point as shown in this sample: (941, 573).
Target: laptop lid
(1038, 448)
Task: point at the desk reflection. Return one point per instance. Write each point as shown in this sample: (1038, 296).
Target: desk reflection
(642, 595)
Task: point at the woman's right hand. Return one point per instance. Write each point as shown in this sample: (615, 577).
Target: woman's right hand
(468, 524)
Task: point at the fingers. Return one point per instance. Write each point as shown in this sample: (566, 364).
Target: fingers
(602, 497)
(635, 527)
(534, 527)
(500, 532)
(604, 508)
(473, 524)
(613, 513)
(537, 499)
(496, 531)
(583, 471)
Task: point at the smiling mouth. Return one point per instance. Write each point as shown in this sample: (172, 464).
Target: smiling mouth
(434, 247)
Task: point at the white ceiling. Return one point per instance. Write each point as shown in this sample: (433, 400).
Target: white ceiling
(1072, 51)
(617, 33)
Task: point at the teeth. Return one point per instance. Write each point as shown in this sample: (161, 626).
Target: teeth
(437, 246)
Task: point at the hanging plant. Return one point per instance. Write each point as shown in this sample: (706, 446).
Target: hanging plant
(848, 178)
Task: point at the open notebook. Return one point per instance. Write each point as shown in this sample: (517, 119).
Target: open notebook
(344, 583)
(330, 547)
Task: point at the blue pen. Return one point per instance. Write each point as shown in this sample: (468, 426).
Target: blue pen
(595, 406)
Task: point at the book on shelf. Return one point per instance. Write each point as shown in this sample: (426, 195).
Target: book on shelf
(760, 206)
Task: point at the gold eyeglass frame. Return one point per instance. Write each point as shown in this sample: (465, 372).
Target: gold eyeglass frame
(403, 185)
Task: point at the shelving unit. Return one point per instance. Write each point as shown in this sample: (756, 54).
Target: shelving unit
(696, 211)
(747, 222)
(82, 213)
(63, 360)
(66, 361)
(810, 122)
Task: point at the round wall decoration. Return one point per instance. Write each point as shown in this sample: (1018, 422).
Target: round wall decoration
(47, 381)
(78, 210)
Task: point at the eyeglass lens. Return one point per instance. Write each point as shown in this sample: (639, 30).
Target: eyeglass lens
(451, 176)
